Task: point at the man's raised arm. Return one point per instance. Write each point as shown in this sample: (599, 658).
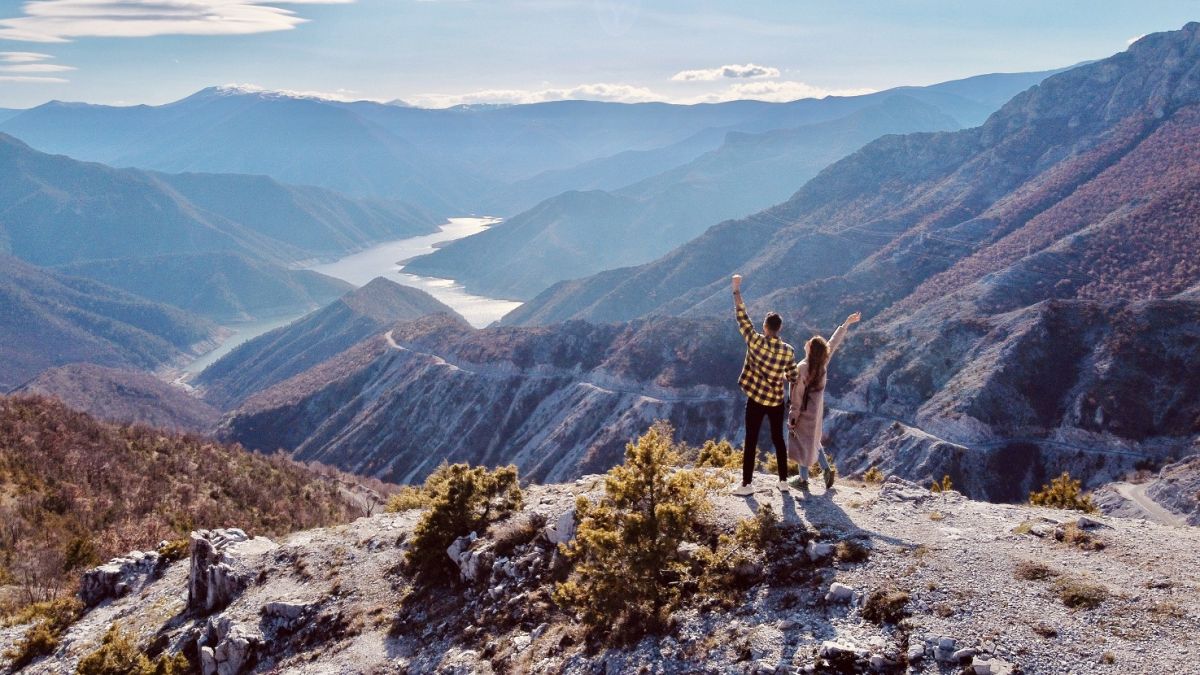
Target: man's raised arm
(744, 324)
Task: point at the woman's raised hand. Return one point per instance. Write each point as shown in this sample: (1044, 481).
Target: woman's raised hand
(854, 318)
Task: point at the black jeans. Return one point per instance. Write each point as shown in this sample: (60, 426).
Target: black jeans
(754, 417)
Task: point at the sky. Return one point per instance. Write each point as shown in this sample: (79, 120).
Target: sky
(437, 53)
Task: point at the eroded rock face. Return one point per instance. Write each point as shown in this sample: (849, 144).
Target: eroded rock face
(228, 647)
(118, 577)
(217, 575)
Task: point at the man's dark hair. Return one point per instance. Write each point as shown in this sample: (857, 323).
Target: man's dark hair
(774, 321)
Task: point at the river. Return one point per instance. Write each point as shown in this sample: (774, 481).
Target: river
(383, 260)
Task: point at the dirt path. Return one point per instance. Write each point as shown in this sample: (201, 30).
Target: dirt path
(1152, 509)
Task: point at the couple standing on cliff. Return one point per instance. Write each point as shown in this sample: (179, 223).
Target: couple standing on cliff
(769, 363)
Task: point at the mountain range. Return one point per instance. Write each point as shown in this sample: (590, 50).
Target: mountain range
(216, 245)
(1030, 287)
(578, 234)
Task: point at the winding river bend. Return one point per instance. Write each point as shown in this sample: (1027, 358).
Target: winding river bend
(386, 260)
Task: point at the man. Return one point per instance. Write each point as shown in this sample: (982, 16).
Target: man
(769, 362)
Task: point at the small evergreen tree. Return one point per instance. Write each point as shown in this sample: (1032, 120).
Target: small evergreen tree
(628, 566)
(1063, 493)
(462, 500)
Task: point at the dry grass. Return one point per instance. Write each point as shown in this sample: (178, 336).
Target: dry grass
(886, 605)
(1031, 570)
(1079, 594)
(1078, 537)
(516, 532)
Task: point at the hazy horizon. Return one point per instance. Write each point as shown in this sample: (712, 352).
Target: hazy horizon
(443, 53)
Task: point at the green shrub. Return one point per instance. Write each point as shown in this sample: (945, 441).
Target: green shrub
(118, 655)
(771, 465)
(738, 560)
(1063, 493)
(885, 605)
(409, 498)
(463, 499)
(873, 475)
(719, 455)
(53, 619)
(626, 553)
(174, 549)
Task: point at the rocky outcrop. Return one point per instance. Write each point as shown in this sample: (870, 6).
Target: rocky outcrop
(1178, 488)
(119, 577)
(219, 570)
(227, 647)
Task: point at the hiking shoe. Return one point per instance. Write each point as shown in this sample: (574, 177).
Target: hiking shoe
(799, 483)
(783, 486)
(828, 479)
(744, 491)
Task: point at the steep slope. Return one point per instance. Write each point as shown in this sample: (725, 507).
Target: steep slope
(307, 342)
(338, 599)
(221, 286)
(75, 491)
(557, 403)
(48, 319)
(123, 397)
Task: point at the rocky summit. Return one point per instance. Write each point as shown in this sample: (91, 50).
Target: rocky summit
(868, 578)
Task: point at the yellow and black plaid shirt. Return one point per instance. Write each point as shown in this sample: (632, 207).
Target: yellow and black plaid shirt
(769, 361)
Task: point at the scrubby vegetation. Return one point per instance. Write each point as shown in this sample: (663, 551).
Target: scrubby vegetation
(1076, 593)
(719, 455)
(462, 499)
(1063, 493)
(1032, 570)
(75, 492)
(885, 605)
(628, 567)
(51, 619)
(118, 655)
(873, 475)
(738, 560)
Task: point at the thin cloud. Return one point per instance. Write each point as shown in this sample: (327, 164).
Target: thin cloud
(600, 91)
(23, 57)
(778, 91)
(339, 96)
(1134, 39)
(63, 20)
(26, 67)
(734, 71)
(33, 79)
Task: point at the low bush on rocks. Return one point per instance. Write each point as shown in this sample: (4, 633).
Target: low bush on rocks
(1076, 593)
(1078, 537)
(52, 620)
(516, 532)
(1063, 493)
(873, 475)
(463, 499)
(886, 605)
(850, 551)
(1031, 570)
(409, 498)
(628, 564)
(737, 562)
(118, 655)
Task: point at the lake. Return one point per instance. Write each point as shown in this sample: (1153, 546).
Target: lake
(383, 260)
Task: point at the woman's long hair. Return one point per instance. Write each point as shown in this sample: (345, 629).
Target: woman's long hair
(818, 357)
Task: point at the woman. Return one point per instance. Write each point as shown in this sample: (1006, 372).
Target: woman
(808, 404)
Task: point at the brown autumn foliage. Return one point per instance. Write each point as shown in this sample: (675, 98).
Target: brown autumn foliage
(75, 492)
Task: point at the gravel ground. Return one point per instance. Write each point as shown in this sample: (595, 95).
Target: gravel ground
(954, 557)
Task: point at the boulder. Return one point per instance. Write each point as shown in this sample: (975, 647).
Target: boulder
(227, 647)
(218, 571)
(818, 550)
(118, 577)
(473, 566)
(563, 529)
(897, 489)
(839, 592)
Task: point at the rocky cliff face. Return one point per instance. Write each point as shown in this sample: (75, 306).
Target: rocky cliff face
(556, 402)
(1121, 598)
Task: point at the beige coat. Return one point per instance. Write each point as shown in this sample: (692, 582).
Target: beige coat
(804, 427)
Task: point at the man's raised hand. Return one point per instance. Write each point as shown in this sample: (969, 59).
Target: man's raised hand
(737, 283)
